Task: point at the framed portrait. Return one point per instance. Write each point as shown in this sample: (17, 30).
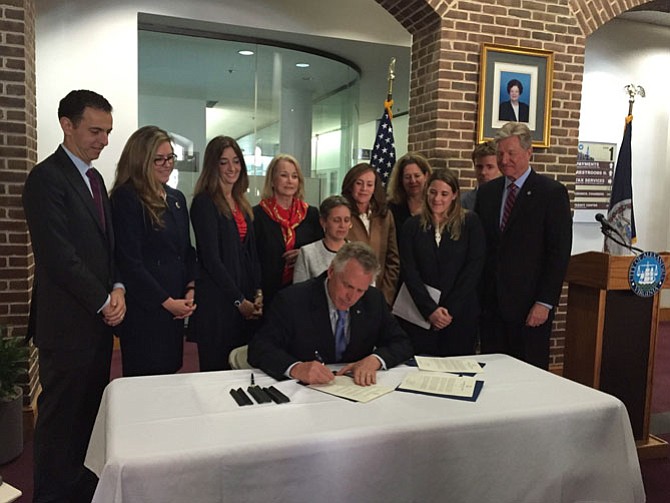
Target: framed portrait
(515, 85)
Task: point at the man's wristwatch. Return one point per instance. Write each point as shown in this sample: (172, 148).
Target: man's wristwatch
(237, 303)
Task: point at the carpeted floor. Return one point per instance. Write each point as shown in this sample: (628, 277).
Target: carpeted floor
(655, 472)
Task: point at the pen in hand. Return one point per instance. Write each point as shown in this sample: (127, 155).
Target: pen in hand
(318, 358)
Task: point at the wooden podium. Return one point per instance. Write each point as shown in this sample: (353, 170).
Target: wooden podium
(611, 336)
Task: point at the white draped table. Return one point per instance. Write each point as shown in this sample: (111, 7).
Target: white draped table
(530, 437)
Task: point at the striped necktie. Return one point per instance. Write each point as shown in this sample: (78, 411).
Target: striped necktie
(509, 204)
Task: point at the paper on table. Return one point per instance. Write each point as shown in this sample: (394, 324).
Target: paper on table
(453, 365)
(345, 387)
(405, 308)
(439, 384)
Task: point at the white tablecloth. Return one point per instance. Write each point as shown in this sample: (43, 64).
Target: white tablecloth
(530, 437)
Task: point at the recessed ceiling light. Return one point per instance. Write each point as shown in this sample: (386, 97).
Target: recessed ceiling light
(245, 52)
(302, 65)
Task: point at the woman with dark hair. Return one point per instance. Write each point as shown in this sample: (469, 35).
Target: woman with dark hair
(229, 295)
(514, 110)
(283, 222)
(444, 248)
(154, 255)
(314, 258)
(405, 190)
(373, 224)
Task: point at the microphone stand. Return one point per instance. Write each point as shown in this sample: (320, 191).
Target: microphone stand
(607, 232)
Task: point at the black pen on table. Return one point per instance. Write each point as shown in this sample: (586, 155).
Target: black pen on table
(253, 381)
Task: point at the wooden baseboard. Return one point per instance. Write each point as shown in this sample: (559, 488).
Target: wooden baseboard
(653, 448)
(664, 314)
(30, 417)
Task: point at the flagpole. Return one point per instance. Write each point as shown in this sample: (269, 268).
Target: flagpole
(389, 96)
(382, 155)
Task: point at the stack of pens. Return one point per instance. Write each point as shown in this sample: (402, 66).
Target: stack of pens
(261, 395)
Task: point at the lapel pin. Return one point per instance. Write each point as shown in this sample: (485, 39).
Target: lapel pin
(177, 205)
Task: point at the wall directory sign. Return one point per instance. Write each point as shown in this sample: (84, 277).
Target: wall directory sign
(593, 181)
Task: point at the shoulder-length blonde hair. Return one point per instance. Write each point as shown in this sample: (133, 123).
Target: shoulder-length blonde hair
(209, 181)
(268, 191)
(396, 189)
(378, 205)
(136, 167)
(455, 214)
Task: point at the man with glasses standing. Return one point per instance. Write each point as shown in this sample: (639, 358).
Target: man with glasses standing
(154, 255)
(77, 299)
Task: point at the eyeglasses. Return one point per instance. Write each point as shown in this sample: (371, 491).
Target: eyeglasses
(161, 161)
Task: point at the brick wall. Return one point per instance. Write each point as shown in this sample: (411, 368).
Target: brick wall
(444, 81)
(18, 153)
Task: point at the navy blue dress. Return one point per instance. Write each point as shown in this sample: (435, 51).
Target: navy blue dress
(228, 271)
(155, 263)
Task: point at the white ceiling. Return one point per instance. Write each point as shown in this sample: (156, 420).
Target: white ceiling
(207, 67)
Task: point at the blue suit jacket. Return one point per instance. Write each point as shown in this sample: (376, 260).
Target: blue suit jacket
(299, 324)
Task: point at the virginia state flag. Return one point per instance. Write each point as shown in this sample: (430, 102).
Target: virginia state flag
(620, 213)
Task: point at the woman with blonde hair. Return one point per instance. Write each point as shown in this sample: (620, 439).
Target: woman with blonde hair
(405, 190)
(373, 224)
(153, 253)
(443, 247)
(283, 222)
(229, 280)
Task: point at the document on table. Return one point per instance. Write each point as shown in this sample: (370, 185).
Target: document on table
(405, 308)
(439, 384)
(453, 365)
(344, 387)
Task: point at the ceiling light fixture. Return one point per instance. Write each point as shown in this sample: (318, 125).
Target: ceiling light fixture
(302, 65)
(245, 52)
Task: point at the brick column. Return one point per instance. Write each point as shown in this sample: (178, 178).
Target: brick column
(18, 154)
(447, 37)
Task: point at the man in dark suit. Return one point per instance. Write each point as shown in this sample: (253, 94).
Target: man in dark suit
(528, 227)
(76, 296)
(336, 317)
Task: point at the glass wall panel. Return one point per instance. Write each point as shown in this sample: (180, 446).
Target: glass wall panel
(270, 99)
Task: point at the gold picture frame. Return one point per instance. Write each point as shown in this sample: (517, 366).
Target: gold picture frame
(530, 71)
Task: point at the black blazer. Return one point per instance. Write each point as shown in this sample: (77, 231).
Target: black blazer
(74, 256)
(299, 324)
(156, 262)
(271, 247)
(527, 262)
(506, 112)
(454, 267)
(228, 271)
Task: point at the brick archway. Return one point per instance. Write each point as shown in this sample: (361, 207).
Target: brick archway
(444, 80)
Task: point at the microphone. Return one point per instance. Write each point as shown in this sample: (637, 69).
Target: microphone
(606, 225)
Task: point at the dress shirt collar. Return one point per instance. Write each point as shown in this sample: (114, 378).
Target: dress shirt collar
(519, 181)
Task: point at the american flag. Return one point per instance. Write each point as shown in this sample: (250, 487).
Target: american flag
(382, 157)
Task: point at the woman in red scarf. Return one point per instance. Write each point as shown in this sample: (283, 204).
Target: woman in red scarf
(283, 222)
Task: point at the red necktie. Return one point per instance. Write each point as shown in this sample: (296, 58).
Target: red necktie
(509, 204)
(97, 196)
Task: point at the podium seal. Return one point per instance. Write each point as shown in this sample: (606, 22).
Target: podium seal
(646, 274)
